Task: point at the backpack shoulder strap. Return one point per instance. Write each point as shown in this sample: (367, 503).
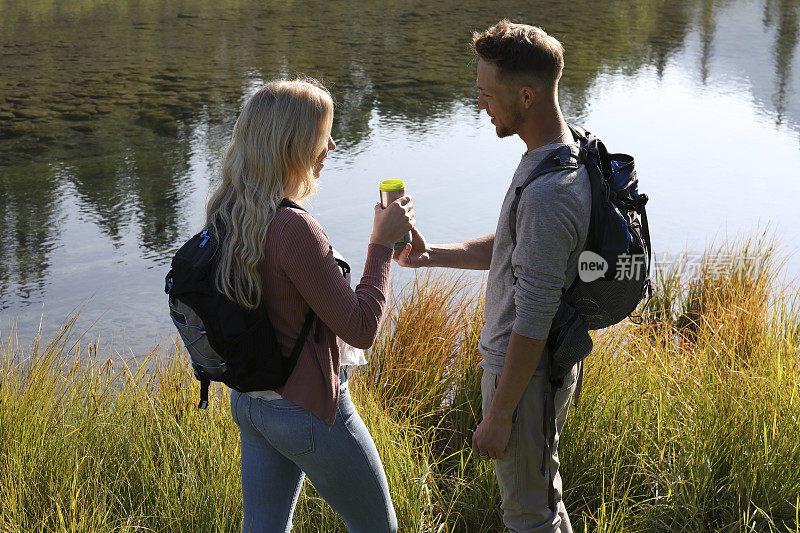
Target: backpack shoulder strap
(288, 203)
(566, 157)
(311, 315)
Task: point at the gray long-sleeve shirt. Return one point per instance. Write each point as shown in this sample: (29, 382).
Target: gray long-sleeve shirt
(552, 226)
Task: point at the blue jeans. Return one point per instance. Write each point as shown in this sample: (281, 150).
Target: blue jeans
(282, 442)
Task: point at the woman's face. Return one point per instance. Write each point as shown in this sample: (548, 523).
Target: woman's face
(320, 162)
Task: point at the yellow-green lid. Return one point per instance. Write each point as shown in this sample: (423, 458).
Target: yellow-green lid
(393, 185)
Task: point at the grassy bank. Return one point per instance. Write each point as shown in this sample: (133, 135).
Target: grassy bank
(687, 421)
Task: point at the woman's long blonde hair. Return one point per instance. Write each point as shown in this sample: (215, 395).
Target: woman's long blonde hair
(282, 130)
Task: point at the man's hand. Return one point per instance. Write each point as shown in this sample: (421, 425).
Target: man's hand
(491, 437)
(522, 358)
(474, 254)
(413, 255)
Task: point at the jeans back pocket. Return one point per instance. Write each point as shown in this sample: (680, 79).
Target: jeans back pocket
(287, 426)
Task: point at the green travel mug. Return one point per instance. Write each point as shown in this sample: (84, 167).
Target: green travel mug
(391, 190)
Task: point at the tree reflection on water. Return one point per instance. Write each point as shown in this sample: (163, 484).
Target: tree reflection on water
(101, 101)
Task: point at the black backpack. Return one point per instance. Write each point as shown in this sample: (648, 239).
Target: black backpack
(226, 342)
(618, 240)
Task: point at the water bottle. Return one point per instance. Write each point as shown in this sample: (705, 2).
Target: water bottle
(391, 190)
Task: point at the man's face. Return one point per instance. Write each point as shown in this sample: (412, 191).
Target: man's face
(498, 99)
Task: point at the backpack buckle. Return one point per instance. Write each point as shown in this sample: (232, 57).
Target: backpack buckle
(641, 201)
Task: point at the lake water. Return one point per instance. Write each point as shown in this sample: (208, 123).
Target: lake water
(113, 116)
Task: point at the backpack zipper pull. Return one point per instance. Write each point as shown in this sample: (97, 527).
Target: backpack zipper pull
(205, 236)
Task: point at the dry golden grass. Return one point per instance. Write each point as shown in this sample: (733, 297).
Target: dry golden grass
(687, 422)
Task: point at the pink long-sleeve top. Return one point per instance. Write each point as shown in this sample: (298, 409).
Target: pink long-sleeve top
(299, 271)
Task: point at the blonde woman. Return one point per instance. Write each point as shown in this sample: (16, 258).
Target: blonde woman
(280, 256)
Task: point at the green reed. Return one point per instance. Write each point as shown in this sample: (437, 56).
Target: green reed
(686, 422)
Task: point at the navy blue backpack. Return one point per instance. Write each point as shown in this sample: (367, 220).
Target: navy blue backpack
(617, 249)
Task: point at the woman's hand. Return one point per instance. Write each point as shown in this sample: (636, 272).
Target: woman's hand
(392, 223)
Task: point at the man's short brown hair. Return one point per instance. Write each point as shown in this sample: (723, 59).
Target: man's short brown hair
(522, 53)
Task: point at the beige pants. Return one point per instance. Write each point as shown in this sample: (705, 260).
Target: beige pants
(524, 490)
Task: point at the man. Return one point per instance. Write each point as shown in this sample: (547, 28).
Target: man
(518, 71)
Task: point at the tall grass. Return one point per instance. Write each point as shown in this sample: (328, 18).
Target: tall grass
(687, 421)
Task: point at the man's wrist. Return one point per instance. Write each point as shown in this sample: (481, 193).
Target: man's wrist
(431, 256)
(500, 414)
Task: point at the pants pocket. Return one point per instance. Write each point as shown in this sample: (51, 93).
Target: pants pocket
(287, 426)
(488, 386)
(563, 395)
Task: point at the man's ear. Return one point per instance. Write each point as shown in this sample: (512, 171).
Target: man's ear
(528, 96)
